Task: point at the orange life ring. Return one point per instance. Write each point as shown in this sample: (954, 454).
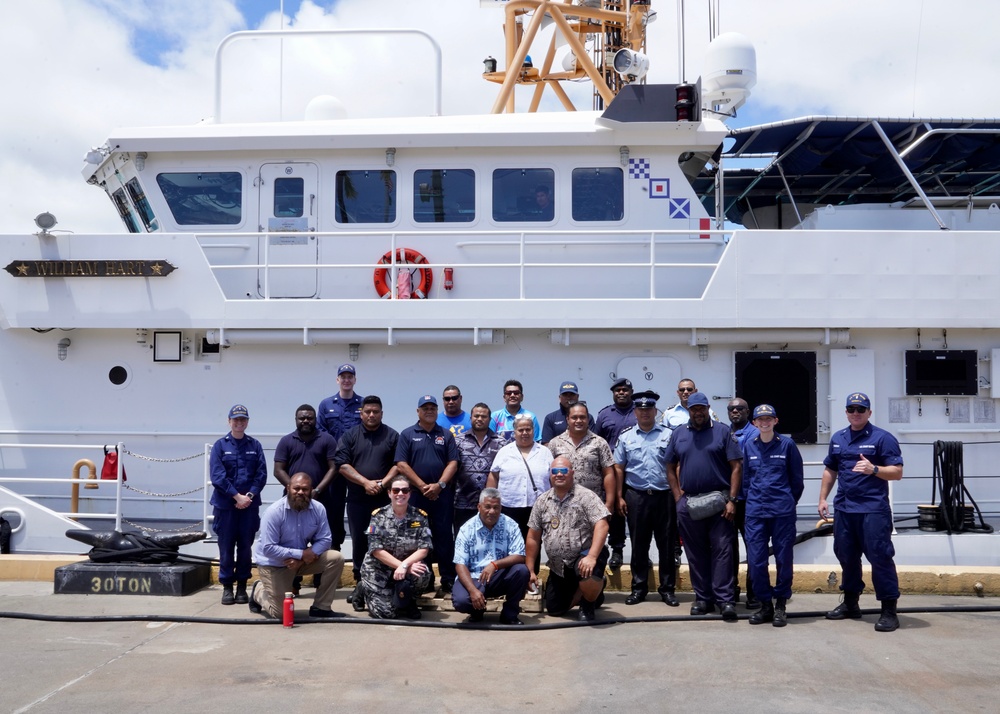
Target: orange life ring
(404, 256)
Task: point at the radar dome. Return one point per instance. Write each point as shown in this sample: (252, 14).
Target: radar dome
(324, 107)
(730, 72)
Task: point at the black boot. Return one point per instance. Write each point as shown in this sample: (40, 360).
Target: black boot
(780, 618)
(241, 593)
(888, 621)
(616, 559)
(848, 609)
(227, 595)
(764, 614)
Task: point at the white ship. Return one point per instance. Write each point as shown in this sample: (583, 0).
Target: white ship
(864, 256)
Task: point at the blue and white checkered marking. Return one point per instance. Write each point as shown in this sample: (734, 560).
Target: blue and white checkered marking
(638, 168)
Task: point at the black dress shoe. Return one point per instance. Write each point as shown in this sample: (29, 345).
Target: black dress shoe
(701, 607)
(476, 616)
(636, 597)
(254, 606)
(729, 612)
(505, 621)
(616, 559)
(670, 599)
(586, 614)
(320, 612)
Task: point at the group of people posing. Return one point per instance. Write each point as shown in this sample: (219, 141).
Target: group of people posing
(482, 492)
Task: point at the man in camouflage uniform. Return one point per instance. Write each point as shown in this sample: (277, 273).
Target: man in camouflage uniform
(572, 523)
(394, 574)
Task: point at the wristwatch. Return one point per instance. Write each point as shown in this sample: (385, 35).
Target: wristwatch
(443, 485)
(875, 471)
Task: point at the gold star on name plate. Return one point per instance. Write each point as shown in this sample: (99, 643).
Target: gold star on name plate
(22, 269)
(157, 269)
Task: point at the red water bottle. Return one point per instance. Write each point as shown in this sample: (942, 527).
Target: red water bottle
(288, 611)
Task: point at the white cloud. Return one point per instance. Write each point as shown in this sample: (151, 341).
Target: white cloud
(72, 73)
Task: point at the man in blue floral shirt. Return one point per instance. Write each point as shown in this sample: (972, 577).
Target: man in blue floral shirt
(489, 562)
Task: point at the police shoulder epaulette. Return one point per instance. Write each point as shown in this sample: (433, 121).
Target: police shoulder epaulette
(422, 512)
(626, 430)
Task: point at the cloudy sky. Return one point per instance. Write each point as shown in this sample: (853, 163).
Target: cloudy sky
(75, 69)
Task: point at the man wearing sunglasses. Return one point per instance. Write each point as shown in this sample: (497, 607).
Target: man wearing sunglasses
(453, 417)
(863, 458)
(678, 414)
(502, 420)
(571, 522)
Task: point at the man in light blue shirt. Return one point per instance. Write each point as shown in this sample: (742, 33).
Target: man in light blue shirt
(295, 540)
(502, 420)
(489, 562)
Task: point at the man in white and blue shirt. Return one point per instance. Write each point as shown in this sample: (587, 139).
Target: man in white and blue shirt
(489, 562)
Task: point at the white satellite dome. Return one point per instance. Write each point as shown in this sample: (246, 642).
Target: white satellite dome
(730, 72)
(324, 107)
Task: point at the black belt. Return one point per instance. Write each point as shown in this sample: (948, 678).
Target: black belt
(649, 491)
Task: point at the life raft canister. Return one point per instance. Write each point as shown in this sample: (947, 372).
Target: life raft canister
(421, 278)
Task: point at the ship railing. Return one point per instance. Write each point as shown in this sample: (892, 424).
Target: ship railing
(694, 242)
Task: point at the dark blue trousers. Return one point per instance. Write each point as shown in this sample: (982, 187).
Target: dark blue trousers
(708, 544)
(441, 514)
(652, 516)
(868, 534)
(511, 582)
(779, 531)
(235, 529)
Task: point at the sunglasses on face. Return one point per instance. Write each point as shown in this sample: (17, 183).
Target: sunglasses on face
(452, 399)
(738, 409)
(512, 394)
(559, 472)
(856, 410)
(405, 489)
(685, 389)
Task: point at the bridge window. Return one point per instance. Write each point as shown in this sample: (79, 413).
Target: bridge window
(124, 212)
(598, 194)
(142, 206)
(444, 195)
(523, 195)
(205, 198)
(366, 196)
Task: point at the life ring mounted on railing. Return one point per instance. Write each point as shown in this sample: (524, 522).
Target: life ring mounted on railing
(416, 284)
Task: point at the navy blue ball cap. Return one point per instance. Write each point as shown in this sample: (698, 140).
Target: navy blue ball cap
(346, 367)
(858, 399)
(569, 388)
(698, 398)
(764, 410)
(239, 412)
(427, 399)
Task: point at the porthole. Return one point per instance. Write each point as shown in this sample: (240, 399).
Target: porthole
(119, 376)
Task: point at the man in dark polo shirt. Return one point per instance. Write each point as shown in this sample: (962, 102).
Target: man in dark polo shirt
(703, 456)
(366, 460)
(427, 455)
(336, 415)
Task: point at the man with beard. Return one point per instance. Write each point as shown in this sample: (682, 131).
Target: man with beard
(366, 459)
(476, 449)
(489, 561)
(295, 540)
(703, 457)
(571, 522)
(611, 422)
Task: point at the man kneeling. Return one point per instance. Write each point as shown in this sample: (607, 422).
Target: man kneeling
(489, 562)
(572, 523)
(295, 540)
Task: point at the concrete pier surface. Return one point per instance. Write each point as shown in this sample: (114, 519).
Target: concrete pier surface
(647, 657)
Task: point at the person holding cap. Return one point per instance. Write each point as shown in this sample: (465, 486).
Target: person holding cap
(238, 471)
(863, 458)
(335, 416)
(612, 420)
(703, 457)
(554, 423)
(773, 483)
(427, 456)
(644, 497)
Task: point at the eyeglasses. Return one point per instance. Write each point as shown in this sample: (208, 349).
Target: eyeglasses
(559, 472)
(856, 410)
(512, 393)
(739, 409)
(452, 399)
(685, 389)
(400, 490)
